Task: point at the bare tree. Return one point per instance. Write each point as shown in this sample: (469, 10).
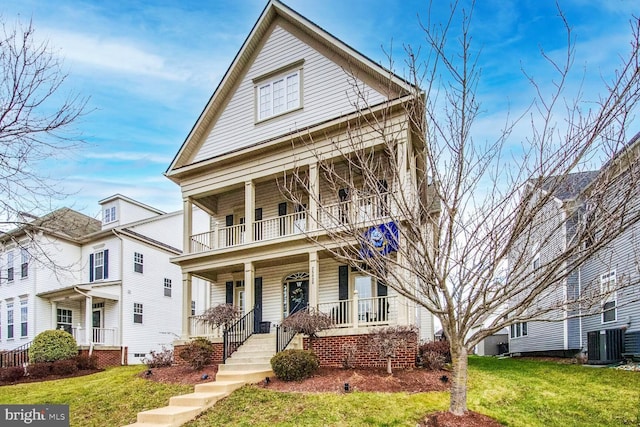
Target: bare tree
(455, 210)
(387, 341)
(36, 121)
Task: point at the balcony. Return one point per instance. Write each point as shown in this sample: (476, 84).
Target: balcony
(361, 210)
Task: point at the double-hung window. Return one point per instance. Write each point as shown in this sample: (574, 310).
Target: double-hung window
(9, 320)
(99, 265)
(167, 287)
(519, 330)
(65, 319)
(24, 315)
(109, 215)
(137, 312)
(10, 266)
(278, 95)
(137, 262)
(609, 297)
(24, 264)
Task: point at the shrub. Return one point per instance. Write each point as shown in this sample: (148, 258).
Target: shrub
(197, 353)
(11, 374)
(294, 365)
(308, 322)
(64, 367)
(84, 361)
(39, 370)
(160, 358)
(350, 350)
(221, 315)
(52, 345)
(434, 355)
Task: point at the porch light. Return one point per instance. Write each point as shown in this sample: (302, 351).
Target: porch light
(205, 376)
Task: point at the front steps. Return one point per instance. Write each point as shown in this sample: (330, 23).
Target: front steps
(249, 364)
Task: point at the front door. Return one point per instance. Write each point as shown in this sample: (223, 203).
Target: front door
(96, 323)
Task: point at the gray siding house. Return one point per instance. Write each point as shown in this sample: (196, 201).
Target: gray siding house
(609, 329)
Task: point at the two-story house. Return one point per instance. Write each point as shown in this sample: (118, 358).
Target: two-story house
(292, 96)
(110, 283)
(606, 323)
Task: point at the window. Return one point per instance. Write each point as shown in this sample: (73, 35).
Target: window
(137, 312)
(279, 95)
(519, 330)
(536, 256)
(24, 265)
(10, 266)
(137, 262)
(167, 287)
(193, 308)
(24, 314)
(609, 296)
(64, 319)
(9, 320)
(109, 215)
(99, 265)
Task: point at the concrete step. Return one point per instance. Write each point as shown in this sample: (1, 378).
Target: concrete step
(261, 347)
(203, 399)
(243, 367)
(219, 386)
(248, 358)
(136, 424)
(248, 376)
(171, 415)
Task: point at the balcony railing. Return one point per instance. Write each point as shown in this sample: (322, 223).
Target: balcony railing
(356, 312)
(355, 211)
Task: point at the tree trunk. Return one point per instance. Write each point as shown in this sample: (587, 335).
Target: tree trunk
(389, 365)
(459, 358)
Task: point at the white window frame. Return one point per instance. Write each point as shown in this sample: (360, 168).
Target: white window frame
(138, 262)
(287, 84)
(96, 265)
(535, 262)
(24, 318)
(10, 270)
(138, 311)
(519, 330)
(24, 264)
(607, 285)
(10, 319)
(64, 317)
(193, 308)
(167, 287)
(109, 215)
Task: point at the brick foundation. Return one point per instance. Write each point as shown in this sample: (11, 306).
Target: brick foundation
(331, 351)
(216, 358)
(107, 357)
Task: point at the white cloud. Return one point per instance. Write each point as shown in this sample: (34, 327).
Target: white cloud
(128, 156)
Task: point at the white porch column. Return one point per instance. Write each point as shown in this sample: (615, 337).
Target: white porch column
(249, 297)
(314, 279)
(88, 319)
(187, 225)
(54, 315)
(249, 211)
(314, 187)
(355, 315)
(186, 305)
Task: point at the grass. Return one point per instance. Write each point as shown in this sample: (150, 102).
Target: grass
(515, 392)
(109, 398)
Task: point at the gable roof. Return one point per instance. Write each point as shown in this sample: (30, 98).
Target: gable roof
(64, 223)
(569, 186)
(274, 10)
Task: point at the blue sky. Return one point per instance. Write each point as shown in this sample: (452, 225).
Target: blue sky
(149, 68)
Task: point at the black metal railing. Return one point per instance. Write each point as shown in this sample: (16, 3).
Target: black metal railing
(283, 337)
(235, 335)
(16, 357)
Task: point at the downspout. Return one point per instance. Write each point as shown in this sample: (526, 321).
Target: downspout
(120, 331)
(580, 306)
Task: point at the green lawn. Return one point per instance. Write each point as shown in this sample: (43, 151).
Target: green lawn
(515, 392)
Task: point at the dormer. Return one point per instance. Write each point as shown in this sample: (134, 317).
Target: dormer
(119, 210)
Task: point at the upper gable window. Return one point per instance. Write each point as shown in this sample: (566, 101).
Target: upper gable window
(278, 94)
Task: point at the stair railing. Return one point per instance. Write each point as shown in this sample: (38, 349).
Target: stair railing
(16, 357)
(283, 337)
(235, 335)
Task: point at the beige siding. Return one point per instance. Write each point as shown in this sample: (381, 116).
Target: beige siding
(327, 92)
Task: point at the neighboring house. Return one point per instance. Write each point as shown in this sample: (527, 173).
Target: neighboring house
(290, 81)
(109, 283)
(615, 327)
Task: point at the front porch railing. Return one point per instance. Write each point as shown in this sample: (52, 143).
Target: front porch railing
(283, 337)
(200, 327)
(237, 334)
(356, 312)
(16, 357)
(100, 336)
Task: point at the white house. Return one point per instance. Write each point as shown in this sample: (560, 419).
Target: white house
(110, 283)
